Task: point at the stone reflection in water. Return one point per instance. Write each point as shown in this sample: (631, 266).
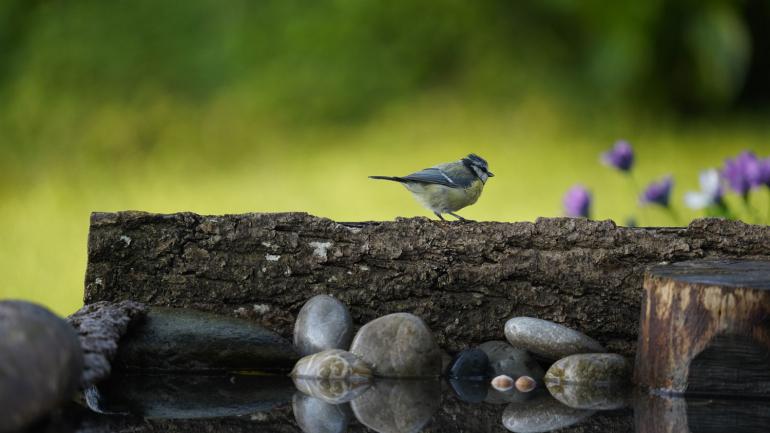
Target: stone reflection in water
(314, 415)
(469, 390)
(590, 396)
(513, 395)
(541, 414)
(189, 396)
(398, 406)
(330, 390)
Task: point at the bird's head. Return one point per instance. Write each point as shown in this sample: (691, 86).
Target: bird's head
(477, 165)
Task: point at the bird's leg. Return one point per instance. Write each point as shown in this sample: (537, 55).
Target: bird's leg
(439, 216)
(465, 220)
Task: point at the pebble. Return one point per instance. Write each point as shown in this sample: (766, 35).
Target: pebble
(41, 363)
(525, 384)
(398, 345)
(542, 414)
(591, 396)
(317, 416)
(469, 390)
(502, 383)
(398, 406)
(470, 364)
(322, 323)
(333, 364)
(547, 339)
(590, 368)
(511, 361)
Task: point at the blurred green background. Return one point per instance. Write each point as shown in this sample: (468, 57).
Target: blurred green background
(282, 105)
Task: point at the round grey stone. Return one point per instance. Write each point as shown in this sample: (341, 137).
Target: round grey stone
(591, 396)
(317, 416)
(590, 368)
(331, 390)
(510, 361)
(332, 364)
(542, 414)
(322, 323)
(41, 363)
(398, 345)
(547, 339)
(398, 406)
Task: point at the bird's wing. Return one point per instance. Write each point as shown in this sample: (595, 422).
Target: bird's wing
(433, 175)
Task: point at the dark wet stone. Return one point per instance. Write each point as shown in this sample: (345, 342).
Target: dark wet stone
(547, 339)
(332, 364)
(591, 396)
(398, 345)
(184, 340)
(40, 363)
(183, 396)
(398, 406)
(322, 323)
(590, 368)
(330, 390)
(317, 416)
(510, 361)
(100, 326)
(542, 414)
(470, 364)
(470, 390)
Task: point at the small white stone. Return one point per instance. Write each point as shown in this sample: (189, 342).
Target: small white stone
(261, 308)
(272, 257)
(320, 248)
(502, 383)
(126, 239)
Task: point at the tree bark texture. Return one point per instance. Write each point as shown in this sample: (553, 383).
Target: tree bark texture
(464, 279)
(705, 328)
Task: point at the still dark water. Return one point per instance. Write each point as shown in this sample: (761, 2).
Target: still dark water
(249, 403)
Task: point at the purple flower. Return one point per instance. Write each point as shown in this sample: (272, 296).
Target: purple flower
(764, 171)
(577, 202)
(621, 156)
(658, 192)
(742, 172)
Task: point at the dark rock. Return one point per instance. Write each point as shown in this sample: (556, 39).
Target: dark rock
(185, 340)
(317, 416)
(184, 396)
(100, 326)
(322, 323)
(470, 364)
(398, 406)
(470, 390)
(40, 363)
(548, 339)
(398, 345)
(507, 360)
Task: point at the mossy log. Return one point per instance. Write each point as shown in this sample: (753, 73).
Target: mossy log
(705, 328)
(464, 280)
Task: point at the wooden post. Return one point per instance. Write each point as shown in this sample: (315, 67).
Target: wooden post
(705, 328)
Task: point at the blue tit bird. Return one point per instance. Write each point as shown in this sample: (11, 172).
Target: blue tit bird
(447, 188)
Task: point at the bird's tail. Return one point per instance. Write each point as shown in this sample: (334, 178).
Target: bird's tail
(393, 178)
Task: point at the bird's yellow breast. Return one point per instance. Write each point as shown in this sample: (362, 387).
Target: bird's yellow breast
(443, 199)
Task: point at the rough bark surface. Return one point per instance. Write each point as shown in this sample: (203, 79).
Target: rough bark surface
(100, 326)
(464, 280)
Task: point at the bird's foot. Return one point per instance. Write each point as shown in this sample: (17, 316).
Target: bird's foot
(461, 219)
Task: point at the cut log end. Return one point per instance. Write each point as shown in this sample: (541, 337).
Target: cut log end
(705, 328)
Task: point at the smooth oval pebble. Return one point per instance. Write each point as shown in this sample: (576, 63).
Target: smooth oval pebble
(398, 406)
(540, 415)
(502, 383)
(590, 368)
(469, 390)
(398, 345)
(317, 416)
(525, 384)
(510, 361)
(322, 323)
(41, 363)
(547, 339)
(332, 364)
(331, 391)
(470, 364)
(591, 396)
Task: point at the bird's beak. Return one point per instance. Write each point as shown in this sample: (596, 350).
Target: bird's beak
(489, 173)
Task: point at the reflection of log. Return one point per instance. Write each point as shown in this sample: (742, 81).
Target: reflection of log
(705, 328)
(464, 280)
(667, 414)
